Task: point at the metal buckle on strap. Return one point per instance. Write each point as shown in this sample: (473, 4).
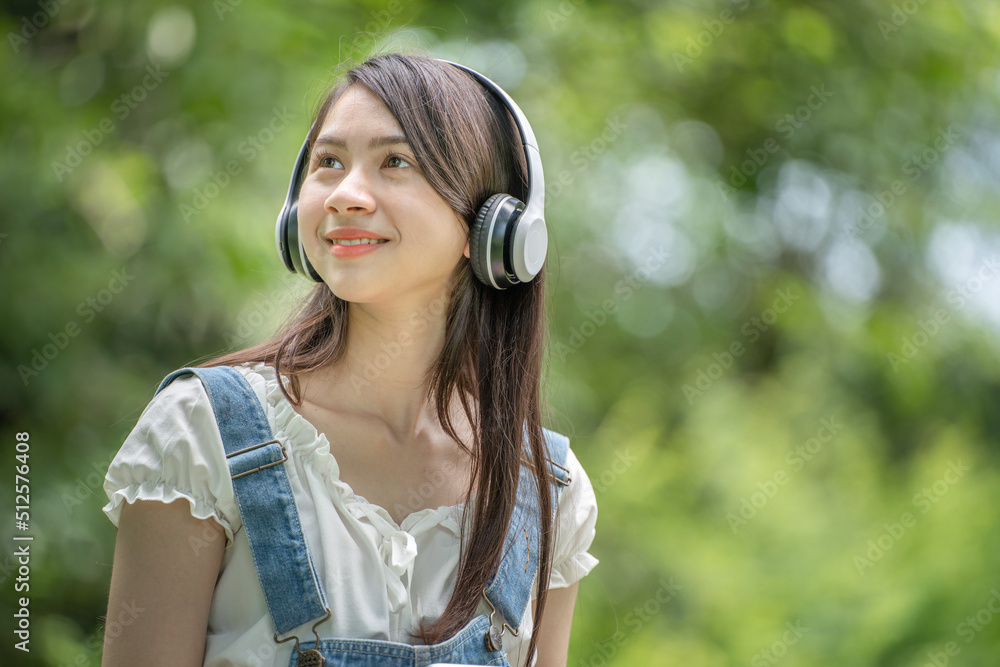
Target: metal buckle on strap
(284, 456)
(494, 636)
(312, 657)
(569, 477)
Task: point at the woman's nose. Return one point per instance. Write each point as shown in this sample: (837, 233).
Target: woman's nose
(353, 194)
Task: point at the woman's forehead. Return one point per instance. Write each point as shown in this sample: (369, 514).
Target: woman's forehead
(359, 111)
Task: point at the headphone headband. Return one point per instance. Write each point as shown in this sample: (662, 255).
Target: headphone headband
(508, 241)
(534, 207)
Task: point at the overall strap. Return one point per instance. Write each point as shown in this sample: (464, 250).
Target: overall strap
(280, 554)
(510, 588)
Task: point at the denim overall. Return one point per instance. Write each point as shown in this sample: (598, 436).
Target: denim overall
(285, 568)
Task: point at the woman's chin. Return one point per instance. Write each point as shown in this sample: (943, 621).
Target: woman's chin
(352, 293)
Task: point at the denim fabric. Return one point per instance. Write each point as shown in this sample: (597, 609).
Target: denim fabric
(267, 508)
(468, 647)
(510, 588)
(284, 565)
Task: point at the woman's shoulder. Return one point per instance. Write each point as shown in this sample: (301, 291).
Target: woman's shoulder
(577, 520)
(560, 451)
(580, 490)
(186, 393)
(285, 420)
(188, 378)
(174, 452)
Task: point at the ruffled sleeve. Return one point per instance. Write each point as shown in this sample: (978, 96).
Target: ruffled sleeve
(175, 452)
(577, 518)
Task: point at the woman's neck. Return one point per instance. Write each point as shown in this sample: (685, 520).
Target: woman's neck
(387, 365)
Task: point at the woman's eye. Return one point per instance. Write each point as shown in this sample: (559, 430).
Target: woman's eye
(395, 162)
(328, 161)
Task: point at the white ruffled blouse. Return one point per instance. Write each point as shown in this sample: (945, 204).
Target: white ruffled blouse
(382, 579)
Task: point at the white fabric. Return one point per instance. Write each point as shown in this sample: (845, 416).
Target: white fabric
(381, 579)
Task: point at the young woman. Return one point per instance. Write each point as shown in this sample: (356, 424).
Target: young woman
(400, 502)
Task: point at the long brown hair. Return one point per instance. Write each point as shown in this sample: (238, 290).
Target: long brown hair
(468, 148)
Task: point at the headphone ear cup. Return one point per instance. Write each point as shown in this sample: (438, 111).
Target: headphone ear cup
(479, 244)
(295, 251)
(489, 245)
(292, 239)
(286, 229)
(281, 239)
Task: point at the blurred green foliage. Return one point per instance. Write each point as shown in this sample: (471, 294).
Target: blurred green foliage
(788, 414)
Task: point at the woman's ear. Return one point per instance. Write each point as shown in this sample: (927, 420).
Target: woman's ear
(466, 251)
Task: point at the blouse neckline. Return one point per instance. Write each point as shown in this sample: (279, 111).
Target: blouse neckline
(310, 445)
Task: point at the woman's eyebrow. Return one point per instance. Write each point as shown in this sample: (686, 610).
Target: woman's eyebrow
(375, 142)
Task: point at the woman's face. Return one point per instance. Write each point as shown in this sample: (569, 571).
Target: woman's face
(371, 224)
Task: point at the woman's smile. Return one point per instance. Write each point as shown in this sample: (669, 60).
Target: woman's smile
(347, 242)
(343, 248)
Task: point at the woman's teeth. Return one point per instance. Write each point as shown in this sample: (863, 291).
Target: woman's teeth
(358, 241)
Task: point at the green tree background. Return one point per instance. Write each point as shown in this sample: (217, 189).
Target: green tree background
(774, 302)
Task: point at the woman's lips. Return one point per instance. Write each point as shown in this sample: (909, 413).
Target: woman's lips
(347, 251)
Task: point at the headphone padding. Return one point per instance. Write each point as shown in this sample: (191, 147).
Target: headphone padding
(296, 251)
(281, 239)
(479, 241)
